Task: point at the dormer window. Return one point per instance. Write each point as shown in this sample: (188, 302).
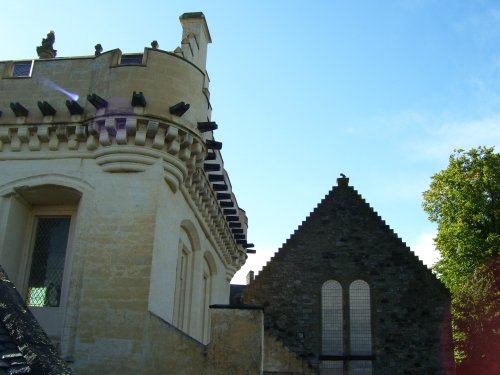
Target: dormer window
(133, 59)
(22, 69)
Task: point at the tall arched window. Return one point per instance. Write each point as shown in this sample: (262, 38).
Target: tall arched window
(360, 327)
(36, 232)
(332, 327)
(208, 271)
(331, 311)
(356, 358)
(359, 317)
(182, 302)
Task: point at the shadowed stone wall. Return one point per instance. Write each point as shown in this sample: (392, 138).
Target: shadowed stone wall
(345, 240)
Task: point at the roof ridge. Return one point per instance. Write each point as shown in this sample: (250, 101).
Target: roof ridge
(343, 185)
(294, 233)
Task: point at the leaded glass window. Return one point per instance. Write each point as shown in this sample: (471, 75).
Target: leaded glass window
(332, 320)
(332, 368)
(360, 368)
(359, 314)
(22, 69)
(47, 262)
(131, 59)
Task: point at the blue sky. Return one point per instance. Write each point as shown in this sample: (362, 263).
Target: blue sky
(382, 91)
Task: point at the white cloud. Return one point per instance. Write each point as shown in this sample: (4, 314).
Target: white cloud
(424, 248)
(450, 136)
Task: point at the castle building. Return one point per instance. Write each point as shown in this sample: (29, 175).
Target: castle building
(121, 233)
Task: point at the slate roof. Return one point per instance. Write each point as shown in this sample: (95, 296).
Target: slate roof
(12, 360)
(24, 346)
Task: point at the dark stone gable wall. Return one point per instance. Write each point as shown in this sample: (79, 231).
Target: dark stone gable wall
(344, 239)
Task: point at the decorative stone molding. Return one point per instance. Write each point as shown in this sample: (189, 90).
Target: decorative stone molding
(132, 144)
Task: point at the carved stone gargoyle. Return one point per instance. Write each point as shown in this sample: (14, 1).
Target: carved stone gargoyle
(46, 50)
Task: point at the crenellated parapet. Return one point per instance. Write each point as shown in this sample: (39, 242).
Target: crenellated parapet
(129, 113)
(127, 144)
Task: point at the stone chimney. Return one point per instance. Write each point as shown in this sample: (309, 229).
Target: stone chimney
(250, 277)
(343, 181)
(195, 38)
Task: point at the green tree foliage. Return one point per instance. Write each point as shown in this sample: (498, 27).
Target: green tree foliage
(464, 200)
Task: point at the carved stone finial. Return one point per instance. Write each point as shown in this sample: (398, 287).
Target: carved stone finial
(46, 50)
(154, 44)
(98, 49)
(343, 181)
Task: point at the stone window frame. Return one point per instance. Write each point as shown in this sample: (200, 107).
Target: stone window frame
(207, 276)
(51, 318)
(332, 318)
(29, 268)
(19, 199)
(132, 59)
(350, 362)
(183, 282)
(9, 70)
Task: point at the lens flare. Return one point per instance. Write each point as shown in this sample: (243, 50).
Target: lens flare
(71, 95)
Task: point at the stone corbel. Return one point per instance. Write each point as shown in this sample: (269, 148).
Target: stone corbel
(121, 132)
(15, 142)
(81, 132)
(159, 139)
(43, 133)
(93, 128)
(121, 136)
(62, 133)
(104, 136)
(173, 145)
(34, 143)
(152, 129)
(110, 126)
(23, 134)
(140, 135)
(131, 125)
(186, 142)
(92, 142)
(5, 135)
(53, 141)
(73, 142)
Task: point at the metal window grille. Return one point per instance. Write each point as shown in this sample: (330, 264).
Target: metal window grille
(332, 368)
(360, 318)
(332, 319)
(360, 368)
(47, 262)
(131, 59)
(22, 69)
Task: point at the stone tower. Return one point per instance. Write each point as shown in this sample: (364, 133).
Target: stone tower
(118, 223)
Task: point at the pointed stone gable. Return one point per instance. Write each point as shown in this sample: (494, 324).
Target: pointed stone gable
(343, 239)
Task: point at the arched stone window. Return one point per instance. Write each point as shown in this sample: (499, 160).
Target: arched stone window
(360, 332)
(356, 358)
(360, 318)
(209, 270)
(331, 317)
(38, 223)
(332, 327)
(182, 302)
